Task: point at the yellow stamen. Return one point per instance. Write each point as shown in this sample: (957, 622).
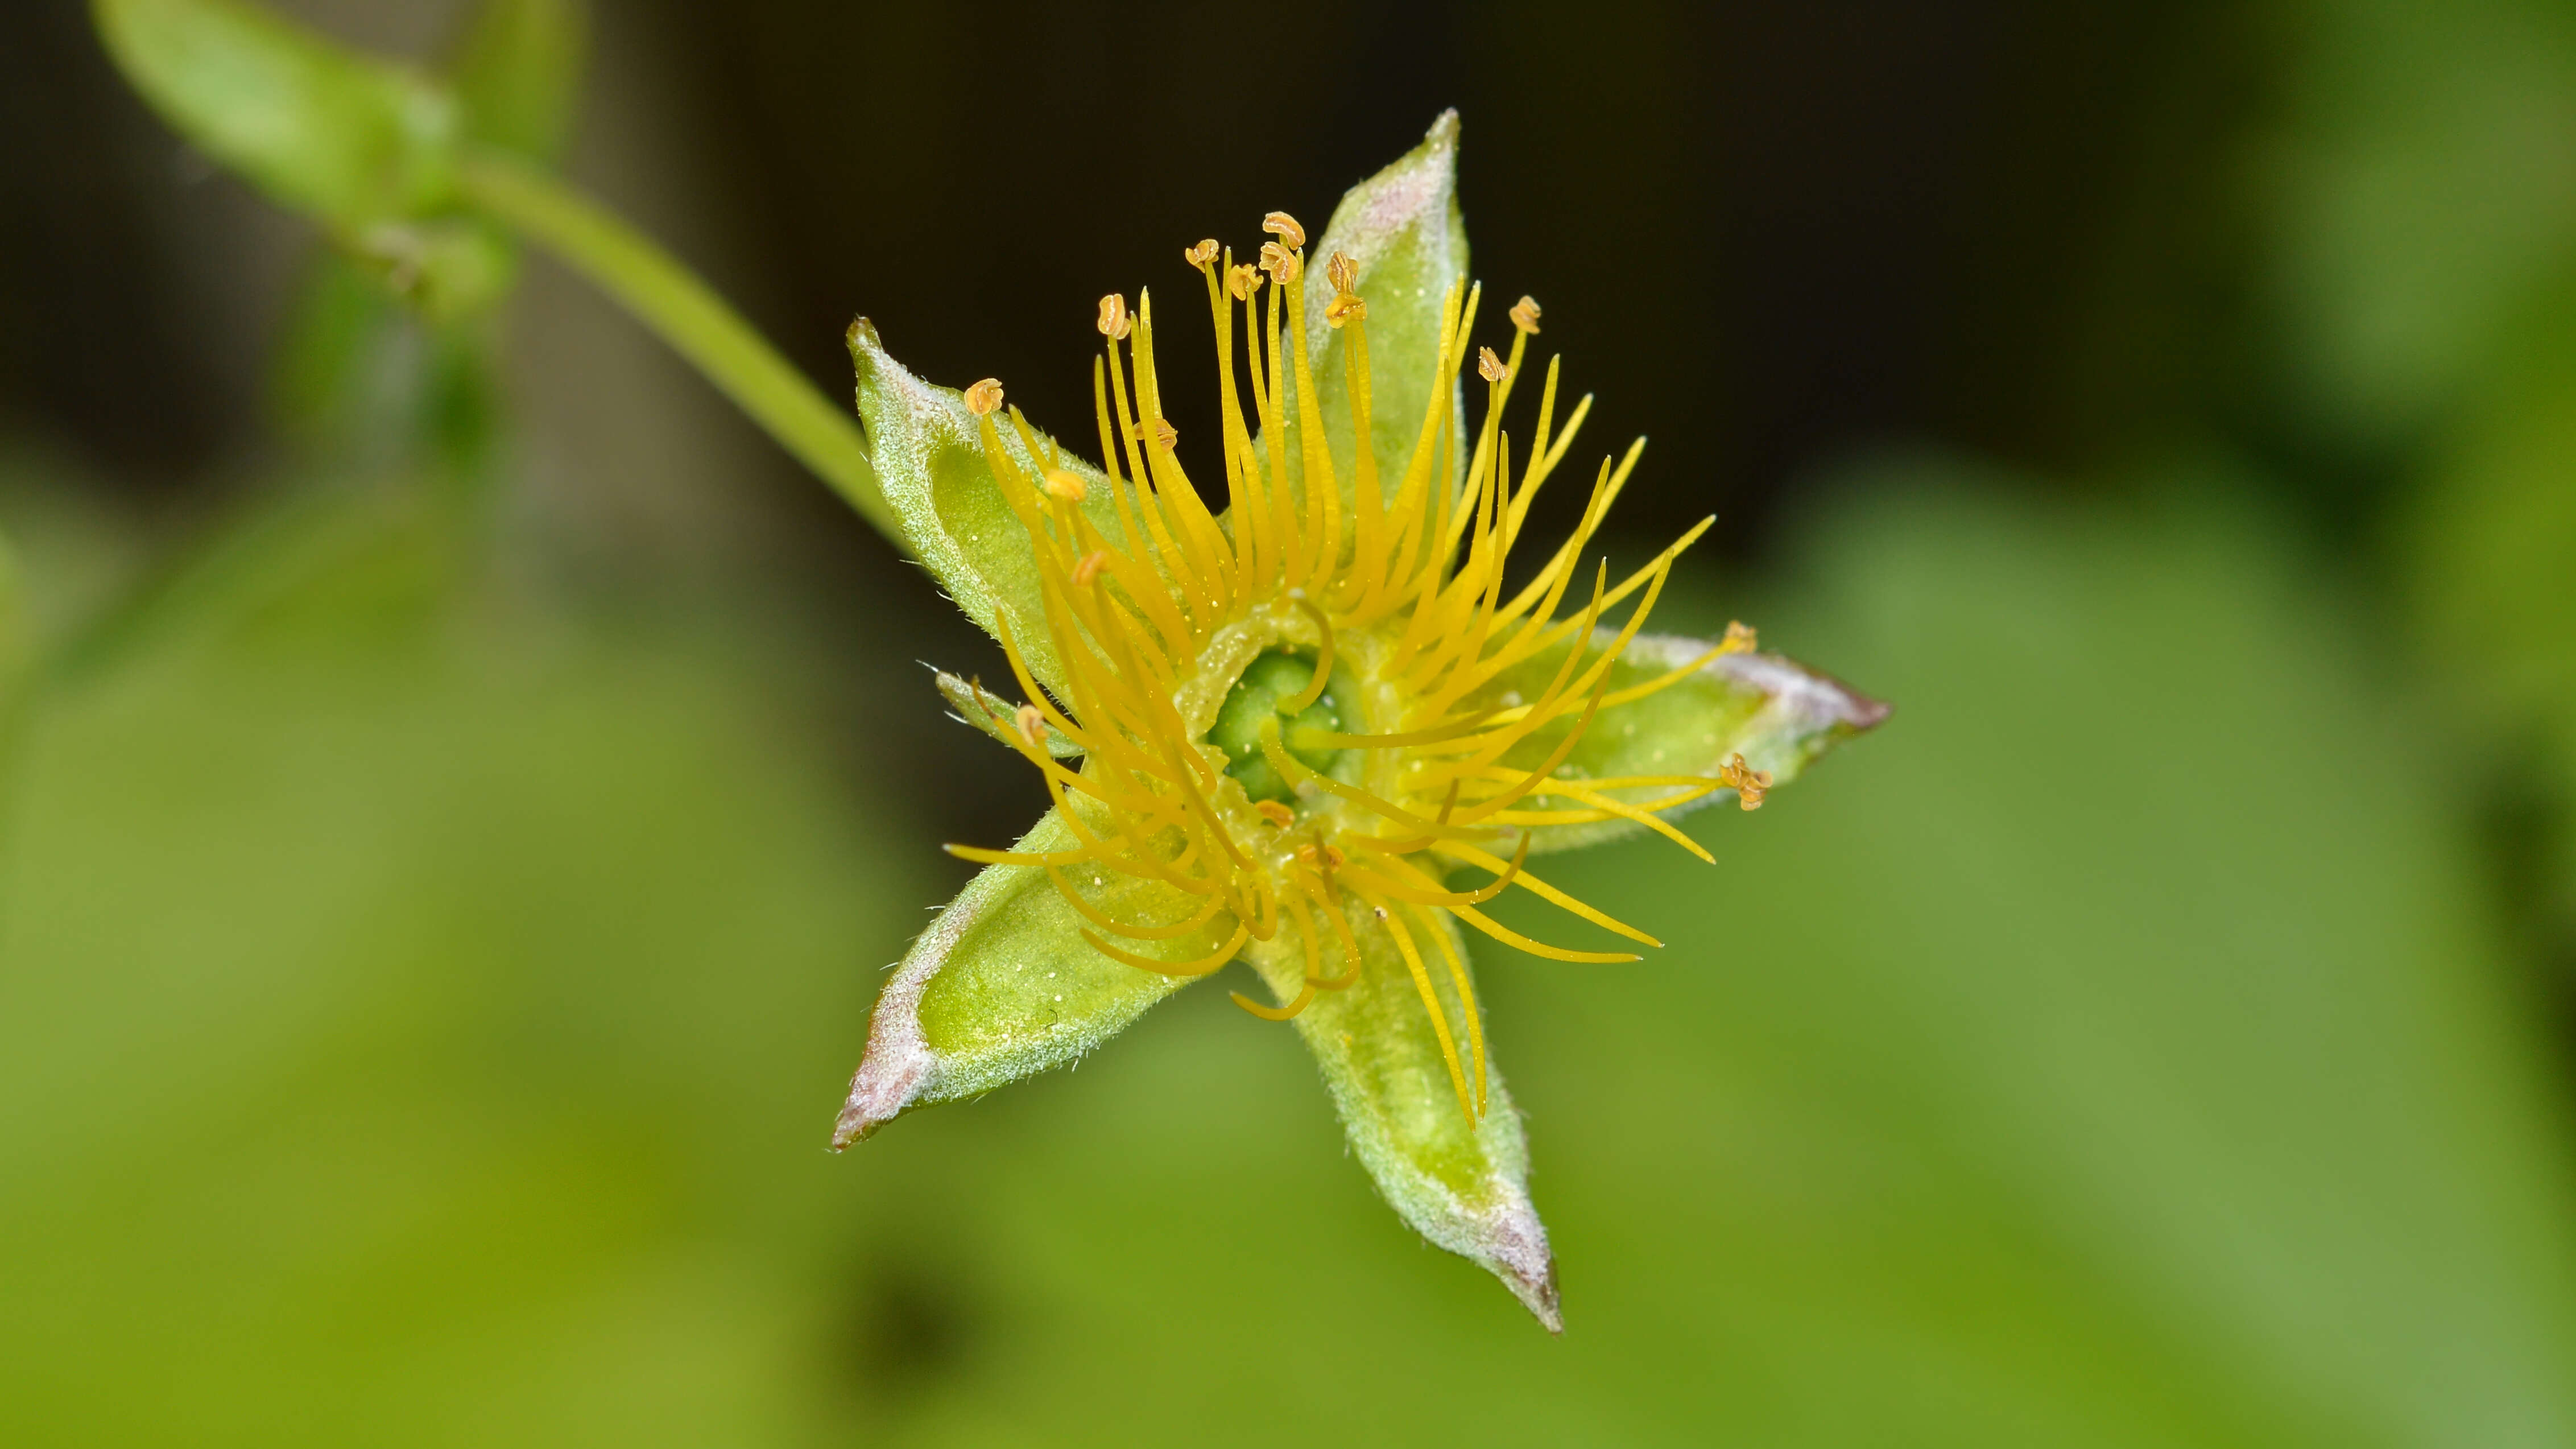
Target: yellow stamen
(1213, 961)
(1276, 1013)
(1393, 573)
(1430, 1001)
(1466, 1001)
(1094, 914)
(1314, 690)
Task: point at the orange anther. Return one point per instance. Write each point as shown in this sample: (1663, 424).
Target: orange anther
(1114, 322)
(1750, 785)
(1280, 263)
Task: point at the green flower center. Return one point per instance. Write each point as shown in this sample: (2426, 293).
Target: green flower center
(1273, 679)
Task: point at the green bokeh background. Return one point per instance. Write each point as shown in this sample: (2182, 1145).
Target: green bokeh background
(430, 949)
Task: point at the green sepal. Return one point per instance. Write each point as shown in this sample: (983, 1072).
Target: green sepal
(1462, 1183)
(1003, 985)
(1403, 227)
(931, 468)
(1775, 712)
(996, 716)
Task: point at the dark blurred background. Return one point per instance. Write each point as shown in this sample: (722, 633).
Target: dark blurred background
(442, 952)
(1775, 241)
(2022, 229)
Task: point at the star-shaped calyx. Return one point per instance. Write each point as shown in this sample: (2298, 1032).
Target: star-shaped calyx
(1319, 730)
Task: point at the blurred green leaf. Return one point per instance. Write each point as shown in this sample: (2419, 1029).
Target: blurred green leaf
(370, 150)
(2426, 188)
(17, 646)
(417, 1011)
(2490, 547)
(415, 1022)
(2422, 181)
(358, 381)
(518, 73)
(351, 141)
(2113, 1055)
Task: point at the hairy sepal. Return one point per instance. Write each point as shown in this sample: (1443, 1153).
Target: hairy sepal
(931, 466)
(1461, 1182)
(997, 716)
(1003, 985)
(1775, 712)
(1403, 227)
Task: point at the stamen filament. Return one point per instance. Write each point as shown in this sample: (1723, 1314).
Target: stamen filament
(1402, 580)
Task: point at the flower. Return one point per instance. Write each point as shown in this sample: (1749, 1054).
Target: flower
(1318, 731)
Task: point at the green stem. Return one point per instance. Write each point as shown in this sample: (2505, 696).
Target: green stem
(667, 298)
